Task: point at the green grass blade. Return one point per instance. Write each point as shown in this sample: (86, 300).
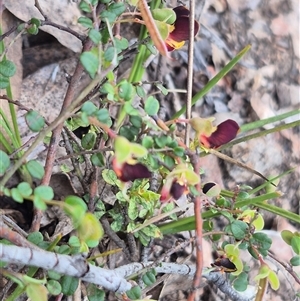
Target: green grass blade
(214, 80)
(260, 123)
(280, 212)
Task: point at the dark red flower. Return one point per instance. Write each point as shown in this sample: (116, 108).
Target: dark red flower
(225, 132)
(177, 190)
(180, 29)
(173, 189)
(130, 172)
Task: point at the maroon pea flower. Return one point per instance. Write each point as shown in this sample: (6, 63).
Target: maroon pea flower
(179, 32)
(214, 136)
(225, 132)
(130, 172)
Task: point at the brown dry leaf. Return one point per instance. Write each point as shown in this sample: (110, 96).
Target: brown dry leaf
(62, 12)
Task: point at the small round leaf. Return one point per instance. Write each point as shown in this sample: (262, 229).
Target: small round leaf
(53, 287)
(4, 162)
(7, 68)
(151, 106)
(69, 285)
(295, 261)
(44, 192)
(88, 141)
(35, 169)
(25, 189)
(16, 195)
(34, 121)
(98, 160)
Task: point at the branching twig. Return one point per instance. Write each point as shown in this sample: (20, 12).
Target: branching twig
(14, 237)
(64, 28)
(113, 280)
(116, 239)
(287, 267)
(75, 266)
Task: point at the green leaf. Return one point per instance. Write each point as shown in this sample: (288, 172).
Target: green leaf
(238, 229)
(89, 108)
(179, 151)
(39, 203)
(262, 240)
(136, 121)
(287, 236)
(35, 169)
(121, 44)
(75, 207)
(295, 261)
(274, 281)
(111, 17)
(134, 293)
(25, 189)
(90, 230)
(32, 29)
(103, 115)
(148, 142)
(151, 106)
(36, 21)
(130, 110)
(84, 6)
(16, 195)
(64, 249)
(295, 243)
(109, 177)
(161, 141)
(74, 241)
(110, 54)
(122, 149)
(166, 15)
(117, 8)
(169, 162)
(241, 282)
(4, 162)
(7, 68)
(94, 293)
(98, 159)
(53, 275)
(140, 91)
(108, 89)
(95, 36)
(88, 140)
(259, 222)
(4, 82)
(126, 91)
(45, 192)
(133, 211)
(36, 292)
(149, 278)
(90, 61)
(53, 287)
(34, 121)
(86, 22)
(35, 237)
(163, 90)
(69, 285)
(73, 201)
(138, 150)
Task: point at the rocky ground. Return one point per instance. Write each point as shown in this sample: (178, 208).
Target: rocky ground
(265, 84)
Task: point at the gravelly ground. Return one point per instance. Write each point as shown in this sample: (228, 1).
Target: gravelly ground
(266, 84)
